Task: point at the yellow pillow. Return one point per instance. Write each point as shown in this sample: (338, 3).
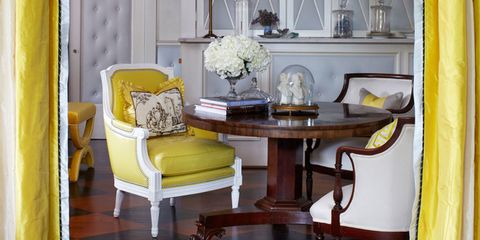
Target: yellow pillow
(393, 101)
(381, 136)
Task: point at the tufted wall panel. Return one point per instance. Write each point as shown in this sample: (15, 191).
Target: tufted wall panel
(106, 40)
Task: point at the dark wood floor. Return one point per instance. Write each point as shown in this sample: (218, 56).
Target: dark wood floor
(92, 202)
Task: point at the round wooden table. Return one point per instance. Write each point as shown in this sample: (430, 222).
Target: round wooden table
(284, 203)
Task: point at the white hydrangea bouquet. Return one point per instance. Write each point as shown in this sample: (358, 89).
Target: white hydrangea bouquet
(234, 57)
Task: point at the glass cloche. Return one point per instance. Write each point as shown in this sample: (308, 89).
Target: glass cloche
(294, 92)
(294, 86)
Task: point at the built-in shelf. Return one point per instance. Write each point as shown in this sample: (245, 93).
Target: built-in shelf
(315, 40)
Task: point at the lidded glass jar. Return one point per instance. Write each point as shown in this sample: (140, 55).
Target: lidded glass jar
(380, 18)
(255, 92)
(241, 17)
(342, 21)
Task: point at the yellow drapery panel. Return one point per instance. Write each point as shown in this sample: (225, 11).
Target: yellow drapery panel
(445, 120)
(476, 9)
(36, 63)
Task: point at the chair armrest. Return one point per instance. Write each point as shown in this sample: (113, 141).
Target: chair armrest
(126, 129)
(123, 125)
(367, 156)
(133, 138)
(338, 194)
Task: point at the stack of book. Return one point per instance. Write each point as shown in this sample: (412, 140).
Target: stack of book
(224, 106)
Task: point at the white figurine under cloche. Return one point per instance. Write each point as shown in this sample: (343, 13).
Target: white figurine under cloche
(298, 89)
(294, 91)
(285, 89)
(294, 86)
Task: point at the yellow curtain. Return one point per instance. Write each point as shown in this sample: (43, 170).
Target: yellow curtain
(450, 177)
(37, 151)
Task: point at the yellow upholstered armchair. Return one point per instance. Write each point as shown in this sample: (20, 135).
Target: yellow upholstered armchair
(165, 166)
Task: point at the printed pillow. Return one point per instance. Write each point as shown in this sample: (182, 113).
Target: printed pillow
(129, 110)
(381, 136)
(393, 101)
(128, 87)
(160, 113)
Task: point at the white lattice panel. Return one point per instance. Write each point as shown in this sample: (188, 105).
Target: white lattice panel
(310, 18)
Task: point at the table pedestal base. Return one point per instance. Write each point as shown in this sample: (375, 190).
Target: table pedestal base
(270, 205)
(283, 204)
(211, 225)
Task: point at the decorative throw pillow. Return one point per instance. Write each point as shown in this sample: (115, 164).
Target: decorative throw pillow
(160, 112)
(128, 87)
(393, 101)
(381, 136)
(129, 110)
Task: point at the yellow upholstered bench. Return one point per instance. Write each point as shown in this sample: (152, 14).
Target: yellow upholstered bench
(79, 112)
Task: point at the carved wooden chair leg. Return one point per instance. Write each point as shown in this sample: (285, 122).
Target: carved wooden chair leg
(204, 233)
(308, 165)
(320, 236)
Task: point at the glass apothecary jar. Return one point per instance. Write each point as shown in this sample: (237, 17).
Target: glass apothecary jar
(380, 18)
(241, 18)
(342, 23)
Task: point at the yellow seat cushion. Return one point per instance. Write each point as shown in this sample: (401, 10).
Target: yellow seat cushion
(181, 155)
(80, 111)
(381, 136)
(199, 177)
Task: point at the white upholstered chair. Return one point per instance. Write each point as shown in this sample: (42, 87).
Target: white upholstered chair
(320, 155)
(378, 205)
(165, 166)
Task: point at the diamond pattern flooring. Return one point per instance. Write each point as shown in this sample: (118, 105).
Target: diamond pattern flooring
(92, 201)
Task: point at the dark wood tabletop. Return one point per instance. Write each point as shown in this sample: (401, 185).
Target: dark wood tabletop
(334, 120)
(284, 202)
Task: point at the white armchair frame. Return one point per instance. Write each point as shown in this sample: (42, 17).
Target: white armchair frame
(154, 192)
(375, 83)
(378, 205)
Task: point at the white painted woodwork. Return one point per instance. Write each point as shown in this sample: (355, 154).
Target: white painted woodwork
(74, 50)
(144, 30)
(188, 22)
(168, 21)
